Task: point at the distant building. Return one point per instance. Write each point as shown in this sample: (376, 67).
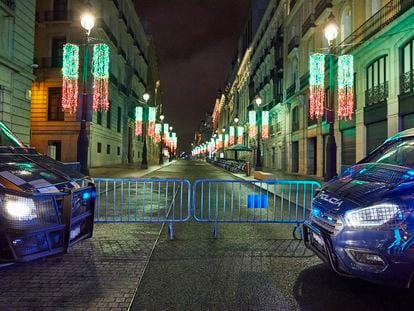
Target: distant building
(112, 137)
(17, 26)
(276, 65)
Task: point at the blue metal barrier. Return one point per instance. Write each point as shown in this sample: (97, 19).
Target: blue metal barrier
(127, 200)
(237, 201)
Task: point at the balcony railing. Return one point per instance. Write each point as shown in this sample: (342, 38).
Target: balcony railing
(293, 43)
(292, 4)
(291, 90)
(322, 6)
(55, 16)
(308, 24)
(10, 3)
(378, 21)
(304, 80)
(376, 95)
(407, 82)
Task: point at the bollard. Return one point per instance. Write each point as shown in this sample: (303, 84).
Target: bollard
(248, 171)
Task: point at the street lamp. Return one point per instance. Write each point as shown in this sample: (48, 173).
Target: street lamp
(236, 120)
(161, 160)
(170, 147)
(331, 32)
(258, 100)
(87, 22)
(144, 162)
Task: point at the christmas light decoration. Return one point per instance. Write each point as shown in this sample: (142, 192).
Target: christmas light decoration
(240, 133)
(100, 71)
(226, 140)
(157, 134)
(231, 133)
(139, 112)
(70, 75)
(345, 86)
(316, 85)
(252, 124)
(151, 121)
(265, 125)
(166, 133)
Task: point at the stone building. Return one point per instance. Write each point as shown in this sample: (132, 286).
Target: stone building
(111, 134)
(17, 26)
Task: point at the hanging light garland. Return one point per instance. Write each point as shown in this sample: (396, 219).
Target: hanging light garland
(166, 133)
(316, 85)
(252, 124)
(240, 133)
(157, 134)
(139, 112)
(70, 74)
(226, 140)
(151, 121)
(100, 71)
(345, 86)
(231, 133)
(265, 124)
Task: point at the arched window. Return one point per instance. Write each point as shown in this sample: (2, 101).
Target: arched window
(295, 119)
(377, 82)
(407, 67)
(346, 24)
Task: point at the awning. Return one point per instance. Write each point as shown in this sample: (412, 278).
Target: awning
(239, 147)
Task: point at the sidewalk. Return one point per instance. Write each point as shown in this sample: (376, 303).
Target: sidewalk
(125, 170)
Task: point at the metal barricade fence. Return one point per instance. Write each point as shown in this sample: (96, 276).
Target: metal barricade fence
(236, 201)
(127, 200)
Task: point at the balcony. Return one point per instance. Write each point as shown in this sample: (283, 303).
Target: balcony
(407, 82)
(291, 90)
(11, 4)
(391, 11)
(102, 24)
(292, 5)
(321, 7)
(304, 80)
(308, 24)
(293, 43)
(376, 95)
(54, 16)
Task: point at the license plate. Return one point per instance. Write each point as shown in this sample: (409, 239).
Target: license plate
(74, 233)
(318, 239)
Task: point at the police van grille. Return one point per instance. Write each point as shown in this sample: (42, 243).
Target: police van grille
(328, 221)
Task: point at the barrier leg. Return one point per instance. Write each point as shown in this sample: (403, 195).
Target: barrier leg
(171, 231)
(297, 230)
(215, 230)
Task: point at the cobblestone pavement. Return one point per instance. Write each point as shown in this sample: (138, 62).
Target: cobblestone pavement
(98, 274)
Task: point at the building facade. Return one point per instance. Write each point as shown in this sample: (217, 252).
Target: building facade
(17, 27)
(378, 35)
(111, 134)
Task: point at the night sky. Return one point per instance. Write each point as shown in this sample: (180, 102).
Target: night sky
(195, 41)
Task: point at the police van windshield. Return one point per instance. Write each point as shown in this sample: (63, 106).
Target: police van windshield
(399, 152)
(8, 138)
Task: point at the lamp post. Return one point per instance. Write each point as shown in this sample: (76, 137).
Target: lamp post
(258, 100)
(170, 147)
(144, 163)
(331, 32)
(161, 161)
(87, 23)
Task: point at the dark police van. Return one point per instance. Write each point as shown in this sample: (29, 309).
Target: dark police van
(362, 222)
(45, 207)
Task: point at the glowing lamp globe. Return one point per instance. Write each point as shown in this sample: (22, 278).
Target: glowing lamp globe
(87, 21)
(162, 117)
(146, 97)
(236, 120)
(331, 30)
(258, 101)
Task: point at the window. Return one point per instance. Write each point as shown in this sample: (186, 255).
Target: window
(295, 119)
(118, 150)
(108, 117)
(407, 67)
(118, 121)
(99, 117)
(99, 148)
(54, 105)
(57, 51)
(377, 85)
(108, 149)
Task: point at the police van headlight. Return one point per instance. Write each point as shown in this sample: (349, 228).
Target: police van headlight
(18, 208)
(373, 216)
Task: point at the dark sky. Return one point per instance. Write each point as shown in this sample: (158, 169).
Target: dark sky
(195, 41)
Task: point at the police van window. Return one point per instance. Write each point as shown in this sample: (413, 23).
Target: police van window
(398, 153)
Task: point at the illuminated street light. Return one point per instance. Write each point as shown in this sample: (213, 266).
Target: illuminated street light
(236, 120)
(146, 97)
(87, 22)
(331, 30)
(258, 100)
(162, 117)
